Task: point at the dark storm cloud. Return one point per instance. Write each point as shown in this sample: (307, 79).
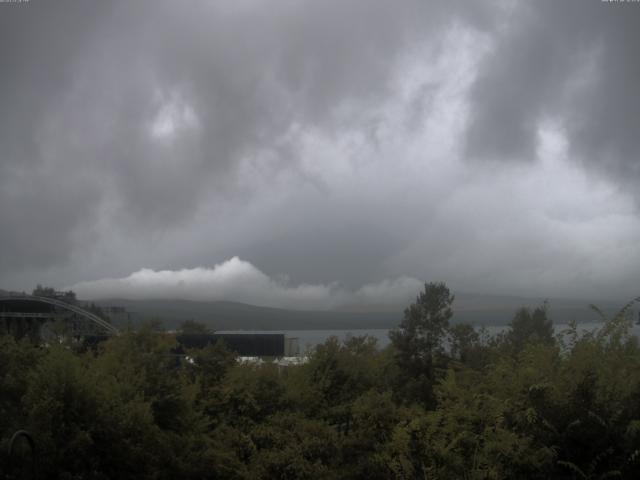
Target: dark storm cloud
(574, 62)
(325, 141)
(42, 201)
(84, 82)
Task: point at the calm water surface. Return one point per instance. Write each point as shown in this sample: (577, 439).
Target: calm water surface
(308, 339)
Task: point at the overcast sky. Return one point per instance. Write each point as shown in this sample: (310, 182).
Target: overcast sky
(315, 154)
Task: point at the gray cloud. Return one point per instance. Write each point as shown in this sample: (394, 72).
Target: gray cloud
(323, 141)
(572, 61)
(86, 84)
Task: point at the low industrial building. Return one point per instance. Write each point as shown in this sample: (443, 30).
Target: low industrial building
(245, 344)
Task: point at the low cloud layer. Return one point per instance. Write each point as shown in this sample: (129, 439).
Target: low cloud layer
(237, 280)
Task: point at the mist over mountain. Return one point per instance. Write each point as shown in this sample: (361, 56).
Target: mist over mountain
(476, 309)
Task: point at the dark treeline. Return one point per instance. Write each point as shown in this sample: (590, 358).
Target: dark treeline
(441, 401)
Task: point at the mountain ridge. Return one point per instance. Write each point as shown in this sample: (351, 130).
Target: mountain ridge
(230, 315)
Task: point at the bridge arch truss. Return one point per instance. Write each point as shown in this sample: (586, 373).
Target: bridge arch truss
(100, 324)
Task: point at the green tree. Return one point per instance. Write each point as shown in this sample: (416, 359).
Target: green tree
(374, 418)
(464, 342)
(193, 326)
(213, 362)
(17, 360)
(290, 446)
(419, 339)
(531, 327)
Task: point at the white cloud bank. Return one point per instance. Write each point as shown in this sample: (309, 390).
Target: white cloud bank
(240, 281)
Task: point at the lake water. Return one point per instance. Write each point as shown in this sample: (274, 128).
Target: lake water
(307, 339)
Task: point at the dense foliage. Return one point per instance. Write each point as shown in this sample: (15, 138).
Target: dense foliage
(442, 401)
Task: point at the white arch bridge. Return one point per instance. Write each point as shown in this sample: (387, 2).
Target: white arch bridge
(18, 311)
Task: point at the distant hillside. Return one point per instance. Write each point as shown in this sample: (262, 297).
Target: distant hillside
(239, 316)
(223, 315)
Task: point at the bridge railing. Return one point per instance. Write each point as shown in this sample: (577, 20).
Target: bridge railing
(73, 308)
